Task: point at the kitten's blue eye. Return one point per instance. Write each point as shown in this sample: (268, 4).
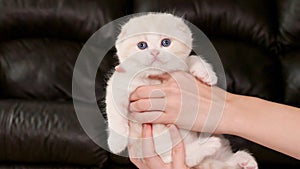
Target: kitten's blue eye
(166, 42)
(142, 45)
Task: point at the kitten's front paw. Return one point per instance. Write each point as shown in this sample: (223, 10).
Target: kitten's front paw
(205, 75)
(117, 143)
(245, 160)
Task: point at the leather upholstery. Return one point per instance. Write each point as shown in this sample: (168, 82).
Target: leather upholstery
(257, 40)
(39, 132)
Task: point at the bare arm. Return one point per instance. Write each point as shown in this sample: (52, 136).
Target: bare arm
(270, 124)
(273, 125)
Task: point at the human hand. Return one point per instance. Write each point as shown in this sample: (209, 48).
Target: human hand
(151, 160)
(163, 103)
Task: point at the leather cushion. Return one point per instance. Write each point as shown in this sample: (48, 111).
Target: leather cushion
(45, 132)
(250, 70)
(37, 68)
(289, 23)
(76, 20)
(245, 20)
(291, 71)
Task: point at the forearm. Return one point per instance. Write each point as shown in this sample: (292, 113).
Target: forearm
(270, 124)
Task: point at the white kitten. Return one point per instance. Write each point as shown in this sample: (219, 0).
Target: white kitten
(153, 44)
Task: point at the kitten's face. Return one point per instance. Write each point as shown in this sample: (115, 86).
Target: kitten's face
(156, 50)
(158, 40)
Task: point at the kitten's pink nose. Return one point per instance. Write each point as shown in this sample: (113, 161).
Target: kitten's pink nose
(154, 52)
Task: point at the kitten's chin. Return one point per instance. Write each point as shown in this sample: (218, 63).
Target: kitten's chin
(160, 71)
(158, 68)
(154, 71)
(155, 64)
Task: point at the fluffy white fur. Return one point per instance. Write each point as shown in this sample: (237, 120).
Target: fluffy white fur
(138, 64)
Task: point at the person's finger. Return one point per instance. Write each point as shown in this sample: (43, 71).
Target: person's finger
(148, 145)
(144, 92)
(134, 158)
(178, 151)
(138, 163)
(151, 159)
(149, 117)
(161, 77)
(152, 104)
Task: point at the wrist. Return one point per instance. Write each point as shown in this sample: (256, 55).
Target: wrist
(230, 120)
(238, 110)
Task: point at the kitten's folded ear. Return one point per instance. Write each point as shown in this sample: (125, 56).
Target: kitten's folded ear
(182, 27)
